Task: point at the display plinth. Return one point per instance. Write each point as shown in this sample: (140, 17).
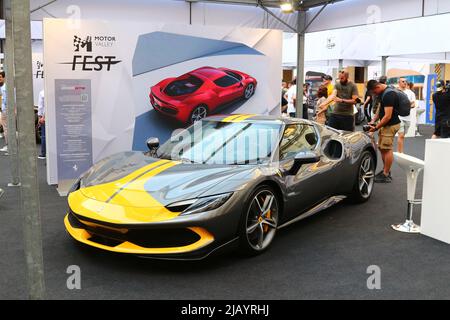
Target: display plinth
(436, 190)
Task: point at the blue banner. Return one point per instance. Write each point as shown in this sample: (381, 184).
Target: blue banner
(431, 89)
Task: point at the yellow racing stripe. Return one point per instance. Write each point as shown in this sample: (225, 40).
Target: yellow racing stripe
(241, 117)
(231, 118)
(124, 201)
(135, 194)
(103, 192)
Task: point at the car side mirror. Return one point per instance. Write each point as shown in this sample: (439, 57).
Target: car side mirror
(152, 144)
(304, 157)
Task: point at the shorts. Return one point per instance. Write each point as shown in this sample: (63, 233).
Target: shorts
(404, 126)
(386, 137)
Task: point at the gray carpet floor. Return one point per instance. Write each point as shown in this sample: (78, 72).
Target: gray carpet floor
(323, 257)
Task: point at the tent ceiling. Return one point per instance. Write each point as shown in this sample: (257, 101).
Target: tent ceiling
(301, 4)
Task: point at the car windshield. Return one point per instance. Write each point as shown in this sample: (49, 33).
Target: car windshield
(180, 87)
(217, 142)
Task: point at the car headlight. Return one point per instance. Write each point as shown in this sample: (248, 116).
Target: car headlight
(200, 204)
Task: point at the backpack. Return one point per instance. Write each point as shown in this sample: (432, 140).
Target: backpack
(403, 106)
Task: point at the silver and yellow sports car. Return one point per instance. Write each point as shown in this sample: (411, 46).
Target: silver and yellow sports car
(225, 180)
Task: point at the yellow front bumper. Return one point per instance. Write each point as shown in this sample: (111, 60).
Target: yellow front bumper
(84, 236)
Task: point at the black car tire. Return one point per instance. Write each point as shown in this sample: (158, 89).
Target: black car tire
(247, 246)
(362, 191)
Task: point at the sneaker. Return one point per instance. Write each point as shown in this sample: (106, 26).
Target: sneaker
(381, 173)
(42, 157)
(383, 179)
(4, 149)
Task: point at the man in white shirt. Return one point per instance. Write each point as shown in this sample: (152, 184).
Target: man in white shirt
(405, 121)
(41, 116)
(291, 96)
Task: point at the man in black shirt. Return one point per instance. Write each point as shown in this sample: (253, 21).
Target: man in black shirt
(388, 125)
(441, 100)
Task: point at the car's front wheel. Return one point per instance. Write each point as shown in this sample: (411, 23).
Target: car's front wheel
(363, 187)
(249, 91)
(260, 221)
(198, 113)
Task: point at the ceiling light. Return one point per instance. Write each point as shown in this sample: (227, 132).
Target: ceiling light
(287, 7)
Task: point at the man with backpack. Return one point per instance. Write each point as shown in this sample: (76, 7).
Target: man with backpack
(394, 103)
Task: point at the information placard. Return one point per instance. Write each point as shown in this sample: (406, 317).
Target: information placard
(73, 127)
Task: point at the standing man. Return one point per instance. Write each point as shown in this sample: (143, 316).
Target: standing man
(405, 121)
(344, 95)
(41, 121)
(284, 87)
(368, 105)
(4, 117)
(291, 96)
(388, 125)
(305, 100)
(327, 81)
(441, 100)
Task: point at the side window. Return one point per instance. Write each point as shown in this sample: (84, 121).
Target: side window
(297, 138)
(226, 81)
(234, 75)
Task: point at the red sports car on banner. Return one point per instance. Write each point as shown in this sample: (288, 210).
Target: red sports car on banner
(200, 92)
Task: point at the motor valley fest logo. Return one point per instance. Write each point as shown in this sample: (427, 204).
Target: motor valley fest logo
(84, 58)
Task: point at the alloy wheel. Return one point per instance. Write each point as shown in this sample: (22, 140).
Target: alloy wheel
(249, 91)
(262, 220)
(366, 176)
(199, 113)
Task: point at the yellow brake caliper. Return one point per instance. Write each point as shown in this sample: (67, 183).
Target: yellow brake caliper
(268, 216)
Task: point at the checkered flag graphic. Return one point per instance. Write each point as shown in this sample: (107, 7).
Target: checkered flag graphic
(78, 42)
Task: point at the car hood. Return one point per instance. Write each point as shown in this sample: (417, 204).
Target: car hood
(130, 178)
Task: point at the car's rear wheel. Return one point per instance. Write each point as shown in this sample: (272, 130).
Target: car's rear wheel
(363, 187)
(260, 221)
(249, 91)
(198, 113)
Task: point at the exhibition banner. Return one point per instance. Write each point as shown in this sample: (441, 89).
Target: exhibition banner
(430, 108)
(147, 80)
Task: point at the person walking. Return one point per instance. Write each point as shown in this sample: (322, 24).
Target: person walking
(291, 97)
(4, 110)
(405, 121)
(305, 100)
(368, 106)
(321, 113)
(388, 126)
(327, 81)
(345, 95)
(41, 121)
(441, 100)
